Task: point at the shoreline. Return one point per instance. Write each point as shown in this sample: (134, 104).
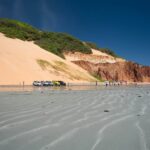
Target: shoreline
(97, 83)
(69, 86)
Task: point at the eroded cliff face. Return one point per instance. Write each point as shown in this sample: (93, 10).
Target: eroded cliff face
(107, 67)
(119, 71)
(95, 57)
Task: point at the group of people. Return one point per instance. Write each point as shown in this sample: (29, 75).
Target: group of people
(114, 83)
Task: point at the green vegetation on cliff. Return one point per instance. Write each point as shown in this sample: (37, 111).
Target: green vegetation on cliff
(104, 50)
(61, 42)
(17, 29)
(54, 42)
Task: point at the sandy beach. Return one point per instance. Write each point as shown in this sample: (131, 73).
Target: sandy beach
(101, 118)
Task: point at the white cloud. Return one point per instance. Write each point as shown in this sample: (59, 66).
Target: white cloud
(17, 9)
(49, 19)
(3, 11)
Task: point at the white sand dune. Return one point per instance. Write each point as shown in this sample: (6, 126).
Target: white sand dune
(20, 62)
(75, 120)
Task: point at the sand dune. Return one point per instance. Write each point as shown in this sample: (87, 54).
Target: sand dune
(22, 61)
(96, 57)
(76, 120)
(109, 58)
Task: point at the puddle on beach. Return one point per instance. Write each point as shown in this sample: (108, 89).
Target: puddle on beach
(32, 88)
(65, 118)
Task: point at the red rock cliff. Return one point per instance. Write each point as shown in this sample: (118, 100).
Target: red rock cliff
(127, 71)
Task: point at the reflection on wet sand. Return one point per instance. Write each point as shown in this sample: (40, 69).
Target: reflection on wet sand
(75, 118)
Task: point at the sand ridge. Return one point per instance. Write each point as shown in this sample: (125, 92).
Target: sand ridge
(96, 57)
(68, 119)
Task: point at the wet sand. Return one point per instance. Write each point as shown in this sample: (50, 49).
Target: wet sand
(95, 118)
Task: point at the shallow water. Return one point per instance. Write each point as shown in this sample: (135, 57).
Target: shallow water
(75, 118)
(42, 88)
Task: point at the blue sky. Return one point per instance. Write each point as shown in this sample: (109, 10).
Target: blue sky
(121, 25)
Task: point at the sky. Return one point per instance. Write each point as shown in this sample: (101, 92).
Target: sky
(120, 25)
